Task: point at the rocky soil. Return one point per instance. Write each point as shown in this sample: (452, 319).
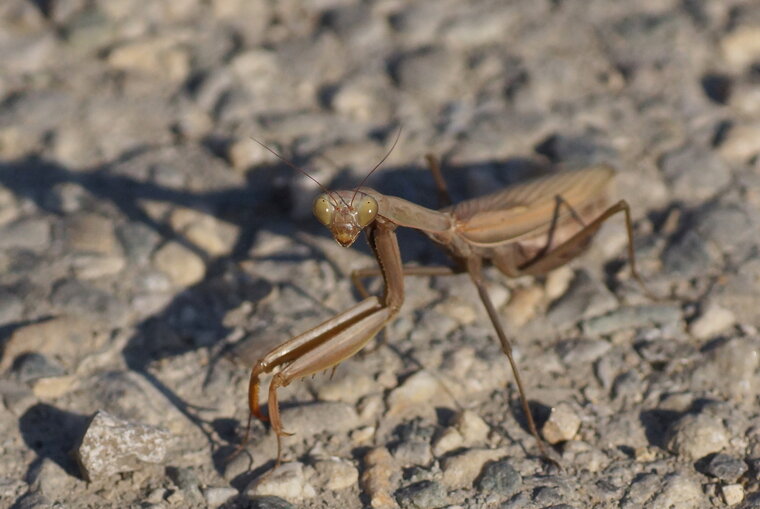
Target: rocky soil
(150, 252)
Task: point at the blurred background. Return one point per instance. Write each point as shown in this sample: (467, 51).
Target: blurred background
(151, 251)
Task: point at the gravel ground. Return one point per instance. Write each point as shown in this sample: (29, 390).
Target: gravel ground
(151, 251)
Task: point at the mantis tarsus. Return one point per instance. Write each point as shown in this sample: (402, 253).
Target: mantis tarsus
(529, 228)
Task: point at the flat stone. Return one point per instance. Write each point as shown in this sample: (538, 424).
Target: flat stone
(633, 317)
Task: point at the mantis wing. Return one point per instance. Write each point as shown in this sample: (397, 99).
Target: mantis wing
(524, 211)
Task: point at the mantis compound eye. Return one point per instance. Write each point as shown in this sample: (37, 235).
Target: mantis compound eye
(323, 209)
(367, 211)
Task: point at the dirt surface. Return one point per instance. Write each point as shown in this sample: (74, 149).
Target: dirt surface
(151, 252)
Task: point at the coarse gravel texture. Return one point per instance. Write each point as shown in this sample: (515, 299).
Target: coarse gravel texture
(151, 251)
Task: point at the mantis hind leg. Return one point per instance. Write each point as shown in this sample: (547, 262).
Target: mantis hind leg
(474, 268)
(573, 246)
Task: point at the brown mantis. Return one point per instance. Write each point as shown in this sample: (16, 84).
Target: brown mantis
(529, 228)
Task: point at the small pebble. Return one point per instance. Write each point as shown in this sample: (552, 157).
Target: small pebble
(50, 479)
(726, 468)
(349, 389)
(288, 481)
(632, 317)
(731, 367)
(461, 470)
(582, 351)
(712, 321)
(500, 478)
(51, 338)
(31, 234)
(336, 474)
(557, 282)
(245, 154)
(732, 493)
(679, 491)
(111, 445)
(422, 495)
(90, 233)
(417, 393)
(269, 502)
(33, 366)
(695, 436)
(562, 425)
(378, 478)
(741, 47)
(741, 143)
(187, 481)
(432, 73)
(153, 56)
(584, 297)
(523, 305)
(472, 427)
(412, 452)
(448, 440)
(184, 267)
(218, 495)
(94, 266)
(315, 418)
(53, 387)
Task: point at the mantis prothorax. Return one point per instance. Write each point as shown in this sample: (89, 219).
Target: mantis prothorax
(529, 228)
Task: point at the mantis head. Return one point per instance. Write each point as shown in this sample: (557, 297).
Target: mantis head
(345, 213)
(345, 218)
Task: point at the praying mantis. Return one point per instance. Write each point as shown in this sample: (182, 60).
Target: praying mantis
(524, 229)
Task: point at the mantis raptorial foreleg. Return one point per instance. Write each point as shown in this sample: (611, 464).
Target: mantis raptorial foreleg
(334, 340)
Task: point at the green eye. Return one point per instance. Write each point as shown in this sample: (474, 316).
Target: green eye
(323, 209)
(367, 211)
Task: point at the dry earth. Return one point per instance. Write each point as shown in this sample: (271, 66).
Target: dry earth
(150, 251)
